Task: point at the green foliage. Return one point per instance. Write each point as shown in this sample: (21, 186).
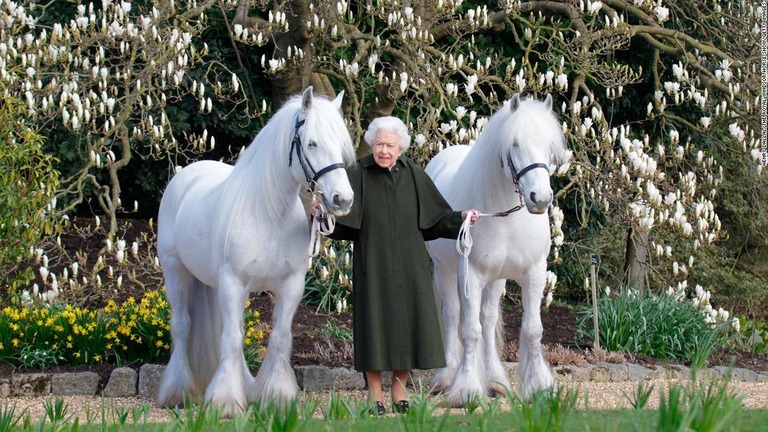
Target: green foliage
(32, 357)
(139, 331)
(28, 183)
(706, 408)
(547, 410)
(335, 332)
(278, 417)
(697, 406)
(44, 335)
(329, 280)
(195, 418)
(421, 414)
(752, 337)
(659, 326)
(337, 408)
(9, 418)
(640, 397)
(733, 281)
(56, 411)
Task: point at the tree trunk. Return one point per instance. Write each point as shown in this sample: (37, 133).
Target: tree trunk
(635, 264)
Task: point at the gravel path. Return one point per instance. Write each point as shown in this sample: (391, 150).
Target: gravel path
(600, 396)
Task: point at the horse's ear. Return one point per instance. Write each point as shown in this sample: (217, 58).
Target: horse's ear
(514, 103)
(337, 101)
(306, 99)
(548, 101)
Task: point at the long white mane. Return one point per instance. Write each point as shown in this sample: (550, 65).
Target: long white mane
(261, 184)
(533, 126)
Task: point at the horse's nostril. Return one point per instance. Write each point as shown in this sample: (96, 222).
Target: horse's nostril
(336, 200)
(533, 196)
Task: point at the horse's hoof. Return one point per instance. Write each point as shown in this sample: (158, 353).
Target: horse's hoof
(437, 390)
(496, 391)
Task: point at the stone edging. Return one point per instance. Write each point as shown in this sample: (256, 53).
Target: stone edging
(126, 382)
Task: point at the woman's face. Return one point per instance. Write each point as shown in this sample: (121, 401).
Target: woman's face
(386, 148)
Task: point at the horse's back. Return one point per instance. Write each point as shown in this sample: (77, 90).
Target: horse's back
(184, 198)
(445, 166)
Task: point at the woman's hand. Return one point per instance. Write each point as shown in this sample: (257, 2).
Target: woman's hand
(314, 205)
(473, 214)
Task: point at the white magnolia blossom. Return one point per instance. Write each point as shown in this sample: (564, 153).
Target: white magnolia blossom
(662, 13)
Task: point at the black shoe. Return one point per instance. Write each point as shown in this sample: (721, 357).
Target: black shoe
(378, 409)
(401, 407)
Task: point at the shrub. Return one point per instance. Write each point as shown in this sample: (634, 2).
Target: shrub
(139, 331)
(41, 336)
(28, 183)
(753, 337)
(659, 326)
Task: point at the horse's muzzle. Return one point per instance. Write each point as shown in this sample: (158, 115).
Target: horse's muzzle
(338, 204)
(537, 205)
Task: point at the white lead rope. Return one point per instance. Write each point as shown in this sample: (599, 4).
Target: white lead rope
(323, 223)
(464, 244)
(464, 247)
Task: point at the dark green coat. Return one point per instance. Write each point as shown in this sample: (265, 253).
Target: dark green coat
(396, 325)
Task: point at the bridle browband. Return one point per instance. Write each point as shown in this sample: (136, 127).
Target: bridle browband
(309, 172)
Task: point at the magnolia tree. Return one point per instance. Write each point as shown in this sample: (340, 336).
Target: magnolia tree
(652, 94)
(658, 99)
(107, 74)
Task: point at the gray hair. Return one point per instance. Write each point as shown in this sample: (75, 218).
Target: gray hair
(390, 124)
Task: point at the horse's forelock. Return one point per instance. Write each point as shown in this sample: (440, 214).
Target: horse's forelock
(533, 125)
(326, 125)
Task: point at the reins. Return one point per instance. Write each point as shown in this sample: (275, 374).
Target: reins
(323, 223)
(464, 240)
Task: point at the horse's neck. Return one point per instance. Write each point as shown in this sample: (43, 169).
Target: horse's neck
(271, 193)
(488, 190)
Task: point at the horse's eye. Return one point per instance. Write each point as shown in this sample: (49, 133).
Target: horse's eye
(312, 144)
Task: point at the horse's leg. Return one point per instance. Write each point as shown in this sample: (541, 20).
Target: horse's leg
(490, 318)
(276, 381)
(532, 369)
(226, 389)
(444, 285)
(177, 382)
(469, 382)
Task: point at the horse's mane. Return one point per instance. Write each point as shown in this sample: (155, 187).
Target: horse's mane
(261, 185)
(532, 125)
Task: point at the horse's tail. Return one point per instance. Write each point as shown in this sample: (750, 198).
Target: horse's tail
(204, 333)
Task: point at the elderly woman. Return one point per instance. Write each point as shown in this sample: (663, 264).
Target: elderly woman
(396, 208)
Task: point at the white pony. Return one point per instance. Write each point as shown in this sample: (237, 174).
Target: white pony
(507, 167)
(225, 231)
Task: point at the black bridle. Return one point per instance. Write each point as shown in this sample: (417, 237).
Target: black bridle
(309, 172)
(516, 176)
(519, 174)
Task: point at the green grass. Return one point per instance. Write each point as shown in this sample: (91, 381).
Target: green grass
(623, 420)
(699, 406)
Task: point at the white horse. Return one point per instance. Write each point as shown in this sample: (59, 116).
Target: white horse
(226, 231)
(507, 168)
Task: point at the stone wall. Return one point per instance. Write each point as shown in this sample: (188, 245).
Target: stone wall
(126, 382)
